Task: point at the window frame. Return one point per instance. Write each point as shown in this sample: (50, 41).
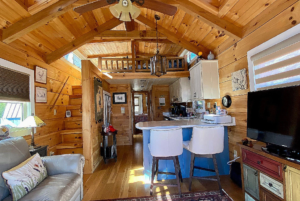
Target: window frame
(270, 43)
(24, 70)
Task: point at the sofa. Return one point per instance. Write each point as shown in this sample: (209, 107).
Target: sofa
(65, 172)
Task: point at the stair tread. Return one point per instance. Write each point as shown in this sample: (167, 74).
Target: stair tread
(71, 131)
(73, 119)
(69, 145)
(75, 96)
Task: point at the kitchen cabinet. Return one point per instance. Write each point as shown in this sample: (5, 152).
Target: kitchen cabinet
(267, 196)
(180, 90)
(251, 181)
(292, 177)
(204, 83)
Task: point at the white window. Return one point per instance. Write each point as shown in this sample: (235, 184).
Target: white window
(73, 59)
(276, 63)
(13, 112)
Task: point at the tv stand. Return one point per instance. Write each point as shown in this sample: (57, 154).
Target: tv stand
(282, 152)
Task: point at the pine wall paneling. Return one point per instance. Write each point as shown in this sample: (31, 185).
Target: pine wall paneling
(234, 58)
(160, 91)
(57, 74)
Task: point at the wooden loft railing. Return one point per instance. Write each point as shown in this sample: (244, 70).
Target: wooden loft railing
(115, 65)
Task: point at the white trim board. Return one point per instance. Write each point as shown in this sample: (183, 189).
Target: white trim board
(274, 41)
(24, 70)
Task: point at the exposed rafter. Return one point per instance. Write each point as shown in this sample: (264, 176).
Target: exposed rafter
(226, 6)
(124, 76)
(206, 6)
(115, 35)
(173, 37)
(125, 55)
(78, 42)
(31, 23)
(210, 19)
(165, 41)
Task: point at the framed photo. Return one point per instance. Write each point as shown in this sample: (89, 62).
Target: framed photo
(40, 75)
(119, 98)
(40, 95)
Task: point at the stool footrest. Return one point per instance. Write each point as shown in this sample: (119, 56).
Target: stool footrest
(167, 173)
(201, 168)
(163, 184)
(205, 178)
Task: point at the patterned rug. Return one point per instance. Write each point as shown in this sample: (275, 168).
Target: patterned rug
(197, 196)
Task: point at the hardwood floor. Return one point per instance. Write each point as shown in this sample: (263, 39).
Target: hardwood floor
(125, 178)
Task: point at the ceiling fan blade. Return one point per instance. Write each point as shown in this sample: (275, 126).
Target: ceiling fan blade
(91, 6)
(160, 7)
(130, 26)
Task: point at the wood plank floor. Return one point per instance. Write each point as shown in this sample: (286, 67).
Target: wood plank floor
(125, 178)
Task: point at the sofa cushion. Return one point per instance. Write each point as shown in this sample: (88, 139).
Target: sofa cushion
(13, 151)
(59, 187)
(25, 176)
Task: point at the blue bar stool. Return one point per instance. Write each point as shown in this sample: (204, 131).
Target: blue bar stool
(166, 144)
(206, 142)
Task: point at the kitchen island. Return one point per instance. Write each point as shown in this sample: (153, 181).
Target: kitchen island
(185, 157)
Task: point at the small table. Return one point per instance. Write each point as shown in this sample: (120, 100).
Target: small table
(41, 150)
(106, 134)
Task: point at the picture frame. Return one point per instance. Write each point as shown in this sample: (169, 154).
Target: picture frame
(120, 98)
(40, 95)
(40, 75)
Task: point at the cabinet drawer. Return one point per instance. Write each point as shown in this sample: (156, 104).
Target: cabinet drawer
(251, 181)
(272, 185)
(248, 197)
(267, 196)
(264, 164)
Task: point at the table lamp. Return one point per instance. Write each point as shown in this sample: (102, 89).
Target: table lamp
(32, 122)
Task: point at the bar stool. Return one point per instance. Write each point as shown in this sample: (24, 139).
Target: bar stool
(206, 142)
(166, 144)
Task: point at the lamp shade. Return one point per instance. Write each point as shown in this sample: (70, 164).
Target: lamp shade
(32, 122)
(124, 9)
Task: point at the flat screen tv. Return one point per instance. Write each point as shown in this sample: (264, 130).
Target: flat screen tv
(274, 117)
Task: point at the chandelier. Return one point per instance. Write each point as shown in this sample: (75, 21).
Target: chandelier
(158, 63)
(125, 11)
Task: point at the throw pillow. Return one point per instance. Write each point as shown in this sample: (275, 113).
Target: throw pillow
(25, 177)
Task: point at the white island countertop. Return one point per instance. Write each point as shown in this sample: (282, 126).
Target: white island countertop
(180, 123)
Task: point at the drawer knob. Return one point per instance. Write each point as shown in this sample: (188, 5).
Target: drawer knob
(271, 185)
(258, 162)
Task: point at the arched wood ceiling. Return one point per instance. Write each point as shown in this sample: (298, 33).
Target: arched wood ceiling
(198, 25)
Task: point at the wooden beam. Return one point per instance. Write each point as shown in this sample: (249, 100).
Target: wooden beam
(31, 23)
(206, 6)
(226, 6)
(151, 55)
(133, 55)
(124, 76)
(210, 19)
(165, 41)
(78, 42)
(173, 37)
(112, 35)
(100, 63)
(126, 54)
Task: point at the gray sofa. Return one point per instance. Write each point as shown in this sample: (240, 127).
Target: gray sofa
(64, 181)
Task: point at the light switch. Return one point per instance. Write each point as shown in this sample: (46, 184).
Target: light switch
(55, 111)
(208, 105)
(123, 110)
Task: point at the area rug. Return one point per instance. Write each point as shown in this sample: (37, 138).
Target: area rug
(195, 196)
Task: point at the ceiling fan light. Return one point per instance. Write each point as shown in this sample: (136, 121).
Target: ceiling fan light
(115, 11)
(124, 12)
(135, 12)
(125, 17)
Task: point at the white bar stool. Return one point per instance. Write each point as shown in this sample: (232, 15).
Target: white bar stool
(206, 142)
(166, 144)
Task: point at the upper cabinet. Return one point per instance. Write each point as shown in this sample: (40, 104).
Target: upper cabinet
(204, 83)
(180, 90)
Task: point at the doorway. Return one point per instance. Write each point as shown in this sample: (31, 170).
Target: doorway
(141, 108)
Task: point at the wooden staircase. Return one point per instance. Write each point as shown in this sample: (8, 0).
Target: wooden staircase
(72, 135)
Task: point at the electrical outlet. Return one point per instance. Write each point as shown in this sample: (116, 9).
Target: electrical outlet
(235, 153)
(55, 111)
(51, 153)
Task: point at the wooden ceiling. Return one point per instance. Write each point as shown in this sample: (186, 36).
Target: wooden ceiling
(198, 25)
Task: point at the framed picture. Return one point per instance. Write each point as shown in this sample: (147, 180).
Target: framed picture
(40, 95)
(40, 75)
(98, 96)
(119, 98)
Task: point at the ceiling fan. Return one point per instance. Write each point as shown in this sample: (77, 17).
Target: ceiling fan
(126, 11)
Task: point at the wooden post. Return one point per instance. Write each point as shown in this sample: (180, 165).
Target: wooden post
(133, 55)
(100, 63)
(185, 63)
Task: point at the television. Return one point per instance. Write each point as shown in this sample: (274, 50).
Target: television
(274, 118)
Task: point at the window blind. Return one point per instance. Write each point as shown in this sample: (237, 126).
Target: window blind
(278, 66)
(14, 86)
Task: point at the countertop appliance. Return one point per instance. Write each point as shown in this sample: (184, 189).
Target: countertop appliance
(217, 119)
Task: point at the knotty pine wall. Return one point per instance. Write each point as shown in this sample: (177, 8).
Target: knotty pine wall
(122, 122)
(91, 130)
(233, 56)
(57, 73)
(160, 91)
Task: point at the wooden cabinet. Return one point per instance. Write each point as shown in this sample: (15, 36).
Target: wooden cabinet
(180, 90)
(248, 197)
(292, 177)
(205, 80)
(251, 181)
(267, 196)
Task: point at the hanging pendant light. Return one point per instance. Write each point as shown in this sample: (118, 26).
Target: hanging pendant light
(158, 63)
